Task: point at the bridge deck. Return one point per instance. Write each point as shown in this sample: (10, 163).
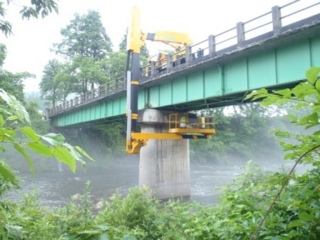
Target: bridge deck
(220, 77)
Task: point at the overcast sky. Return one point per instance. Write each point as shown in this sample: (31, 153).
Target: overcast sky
(28, 49)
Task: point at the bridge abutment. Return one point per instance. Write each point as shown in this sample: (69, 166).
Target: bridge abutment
(164, 164)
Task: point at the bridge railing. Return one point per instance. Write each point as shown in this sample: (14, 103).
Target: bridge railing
(102, 91)
(268, 25)
(262, 27)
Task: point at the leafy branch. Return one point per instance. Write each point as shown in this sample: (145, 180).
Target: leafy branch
(35, 9)
(14, 121)
(306, 95)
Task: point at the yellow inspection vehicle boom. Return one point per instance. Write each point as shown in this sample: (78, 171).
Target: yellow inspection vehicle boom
(180, 125)
(174, 39)
(178, 41)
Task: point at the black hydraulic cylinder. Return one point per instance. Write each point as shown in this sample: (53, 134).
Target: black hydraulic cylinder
(135, 75)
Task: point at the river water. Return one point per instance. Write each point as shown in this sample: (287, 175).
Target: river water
(56, 188)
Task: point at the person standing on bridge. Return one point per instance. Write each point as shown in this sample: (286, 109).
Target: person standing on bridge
(183, 121)
(202, 121)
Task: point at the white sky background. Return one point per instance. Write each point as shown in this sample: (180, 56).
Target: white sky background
(28, 49)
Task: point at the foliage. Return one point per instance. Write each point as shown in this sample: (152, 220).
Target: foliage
(54, 79)
(114, 68)
(37, 8)
(87, 73)
(37, 118)
(3, 54)
(113, 135)
(8, 178)
(306, 95)
(85, 36)
(242, 134)
(15, 130)
(140, 216)
(85, 46)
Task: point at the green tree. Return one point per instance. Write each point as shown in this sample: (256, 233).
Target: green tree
(84, 43)
(37, 118)
(37, 8)
(85, 36)
(87, 73)
(3, 54)
(49, 85)
(114, 137)
(57, 82)
(240, 135)
(114, 68)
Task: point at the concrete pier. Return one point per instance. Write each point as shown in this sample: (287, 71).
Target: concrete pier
(164, 164)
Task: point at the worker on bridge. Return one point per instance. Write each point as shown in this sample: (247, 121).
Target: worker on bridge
(183, 121)
(202, 121)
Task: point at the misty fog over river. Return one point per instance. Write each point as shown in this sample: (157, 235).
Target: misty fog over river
(56, 188)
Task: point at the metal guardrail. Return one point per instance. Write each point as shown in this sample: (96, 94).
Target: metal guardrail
(272, 22)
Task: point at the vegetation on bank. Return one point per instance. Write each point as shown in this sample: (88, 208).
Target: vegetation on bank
(242, 207)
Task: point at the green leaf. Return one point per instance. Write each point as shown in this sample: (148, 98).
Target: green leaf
(311, 92)
(12, 118)
(309, 119)
(256, 94)
(282, 101)
(316, 108)
(305, 216)
(284, 92)
(80, 150)
(63, 155)
(7, 174)
(30, 133)
(6, 134)
(312, 74)
(40, 148)
(15, 107)
(23, 152)
(2, 122)
(295, 223)
(302, 89)
(53, 139)
(318, 85)
(271, 99)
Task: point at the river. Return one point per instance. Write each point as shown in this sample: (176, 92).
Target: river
(56, 188)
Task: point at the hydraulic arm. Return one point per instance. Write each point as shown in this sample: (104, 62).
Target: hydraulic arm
(135, 140)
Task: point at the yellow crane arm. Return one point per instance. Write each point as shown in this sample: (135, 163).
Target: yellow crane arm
(174, 39)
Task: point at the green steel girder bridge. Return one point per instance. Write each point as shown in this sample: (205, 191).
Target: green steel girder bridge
(273, 50)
